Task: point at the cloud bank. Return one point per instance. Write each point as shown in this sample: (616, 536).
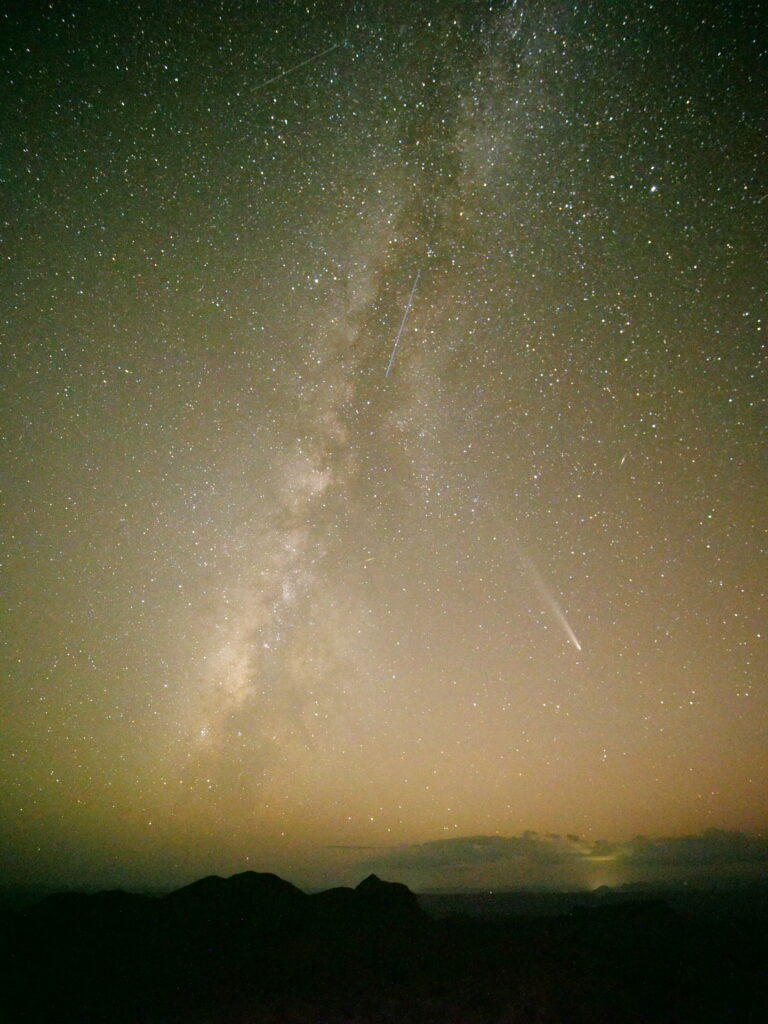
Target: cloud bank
(532, 860)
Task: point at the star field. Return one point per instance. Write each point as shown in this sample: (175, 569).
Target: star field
(266, 602)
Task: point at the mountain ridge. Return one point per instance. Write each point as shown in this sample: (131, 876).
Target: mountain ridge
(253, 947)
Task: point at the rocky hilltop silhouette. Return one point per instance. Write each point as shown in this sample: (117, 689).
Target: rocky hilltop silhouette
(254, 949)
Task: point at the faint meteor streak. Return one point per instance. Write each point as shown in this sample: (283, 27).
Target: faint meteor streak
(402, 324)
(549, 600)
(289, 71)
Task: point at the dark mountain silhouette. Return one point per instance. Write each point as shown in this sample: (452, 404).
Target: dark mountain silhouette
(250, 889)
(254, 949)
(387, 897)
(250, 901)
(373, 903)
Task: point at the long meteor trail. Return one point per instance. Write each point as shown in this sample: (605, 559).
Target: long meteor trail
(549, 600)
(402, 324)
(289, 71)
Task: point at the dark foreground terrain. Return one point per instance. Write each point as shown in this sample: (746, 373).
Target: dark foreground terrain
(254, 949)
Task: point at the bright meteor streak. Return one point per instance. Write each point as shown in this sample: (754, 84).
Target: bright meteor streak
(295, 67)
(549, 600)
(402, 324)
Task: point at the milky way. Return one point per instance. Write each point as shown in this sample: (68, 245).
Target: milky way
(383, 432)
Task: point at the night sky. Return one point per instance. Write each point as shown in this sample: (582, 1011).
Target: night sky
(267, 605)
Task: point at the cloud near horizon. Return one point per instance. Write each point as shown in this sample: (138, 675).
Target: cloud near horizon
(532, 860)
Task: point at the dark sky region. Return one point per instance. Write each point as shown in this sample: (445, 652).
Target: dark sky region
(269, 606)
